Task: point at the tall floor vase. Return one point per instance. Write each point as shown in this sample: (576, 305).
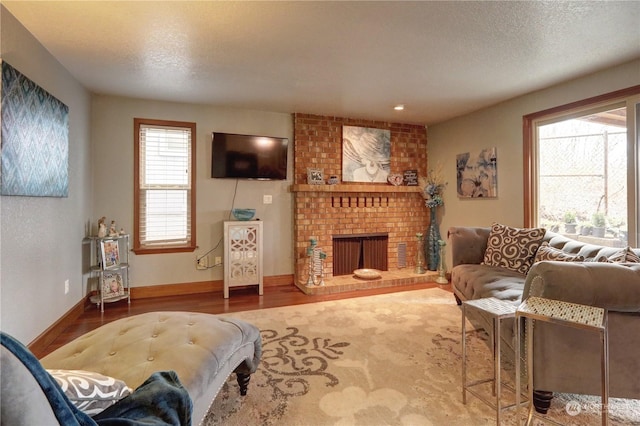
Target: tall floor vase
(433, 248)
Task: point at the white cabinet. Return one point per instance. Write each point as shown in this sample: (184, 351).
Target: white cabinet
(110, 269)
(242, 254)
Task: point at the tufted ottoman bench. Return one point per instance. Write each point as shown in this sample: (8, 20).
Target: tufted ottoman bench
(203, 349)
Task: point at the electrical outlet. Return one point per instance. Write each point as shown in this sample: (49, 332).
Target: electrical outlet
(202, 262)
(267, 199)
(218, 260)
(66, 286)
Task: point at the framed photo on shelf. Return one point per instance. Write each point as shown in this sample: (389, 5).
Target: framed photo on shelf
(112, 285)
(110, 253)
(315, 176)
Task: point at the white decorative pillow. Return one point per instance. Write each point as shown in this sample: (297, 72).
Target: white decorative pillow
(88, 391)
(513, 248)
(602, 259)
(547, 252)
(626, 255)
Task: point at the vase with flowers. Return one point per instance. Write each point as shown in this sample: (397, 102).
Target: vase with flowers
(433, 186)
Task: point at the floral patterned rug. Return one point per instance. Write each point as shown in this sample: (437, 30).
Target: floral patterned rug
(392, 359)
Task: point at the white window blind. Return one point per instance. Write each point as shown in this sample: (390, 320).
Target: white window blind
(165, 185)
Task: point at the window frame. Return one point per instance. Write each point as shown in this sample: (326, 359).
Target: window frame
(138, 247)
(530, 166)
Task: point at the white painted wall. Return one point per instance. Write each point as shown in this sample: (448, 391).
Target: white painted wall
(112, 139)
(41, 238)
(501, 126)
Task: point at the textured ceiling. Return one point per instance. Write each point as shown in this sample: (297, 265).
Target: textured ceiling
(350, 59)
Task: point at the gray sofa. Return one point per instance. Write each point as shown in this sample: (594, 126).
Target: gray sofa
(202, 349)
(566, 359)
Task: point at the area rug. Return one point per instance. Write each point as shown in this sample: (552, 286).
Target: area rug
(392, 359)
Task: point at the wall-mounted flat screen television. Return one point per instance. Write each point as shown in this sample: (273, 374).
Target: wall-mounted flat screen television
(248, 157)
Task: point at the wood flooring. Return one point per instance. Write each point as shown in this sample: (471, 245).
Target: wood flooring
(241, 299)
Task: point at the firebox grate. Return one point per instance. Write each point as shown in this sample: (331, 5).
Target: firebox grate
(402, 255)
(355, 251)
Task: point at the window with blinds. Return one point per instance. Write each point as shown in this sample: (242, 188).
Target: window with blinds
(164, 186)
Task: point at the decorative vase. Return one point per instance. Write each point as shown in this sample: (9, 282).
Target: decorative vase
(433, 248)
(442, 267)
(420, 254)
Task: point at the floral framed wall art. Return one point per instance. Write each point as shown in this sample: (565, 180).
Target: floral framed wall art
(366, 154)
(477, 174)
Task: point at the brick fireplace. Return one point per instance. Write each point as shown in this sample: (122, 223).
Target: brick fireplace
(325, 211)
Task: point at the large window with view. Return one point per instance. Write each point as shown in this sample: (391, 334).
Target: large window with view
(164, 186)
(582, 174)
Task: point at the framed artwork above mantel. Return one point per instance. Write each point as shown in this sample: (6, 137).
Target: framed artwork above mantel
(366, 154)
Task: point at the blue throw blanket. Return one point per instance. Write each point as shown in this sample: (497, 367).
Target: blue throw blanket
(161, 400)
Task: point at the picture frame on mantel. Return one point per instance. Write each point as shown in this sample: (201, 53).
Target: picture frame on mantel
(410, 177)
(315, 176)
(366, 154)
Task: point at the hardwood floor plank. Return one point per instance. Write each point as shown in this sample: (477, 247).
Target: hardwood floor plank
(241, 299)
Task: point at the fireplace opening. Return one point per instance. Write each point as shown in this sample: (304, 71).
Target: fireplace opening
(357, 251)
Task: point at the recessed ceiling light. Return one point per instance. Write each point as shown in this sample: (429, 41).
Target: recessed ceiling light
(399, 107)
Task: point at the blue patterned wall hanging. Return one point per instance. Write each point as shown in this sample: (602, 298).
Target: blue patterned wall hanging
(34, 138)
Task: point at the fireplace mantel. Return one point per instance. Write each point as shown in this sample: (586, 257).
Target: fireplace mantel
(320, 211)
(354, 188)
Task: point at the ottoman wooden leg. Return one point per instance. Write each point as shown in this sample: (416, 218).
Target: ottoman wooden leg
(542, 400)
(243, 382)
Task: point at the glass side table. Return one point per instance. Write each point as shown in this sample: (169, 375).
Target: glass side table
(498, 310)
(565, 314)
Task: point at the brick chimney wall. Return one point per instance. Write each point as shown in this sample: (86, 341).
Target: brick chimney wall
(362, 207)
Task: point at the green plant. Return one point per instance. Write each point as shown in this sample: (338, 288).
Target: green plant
(569, 217)
(617, 222)
(598, 220)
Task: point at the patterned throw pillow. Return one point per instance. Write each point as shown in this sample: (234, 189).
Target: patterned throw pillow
(88, 391)
(547, 252)
(513, 248)
(626, 255)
